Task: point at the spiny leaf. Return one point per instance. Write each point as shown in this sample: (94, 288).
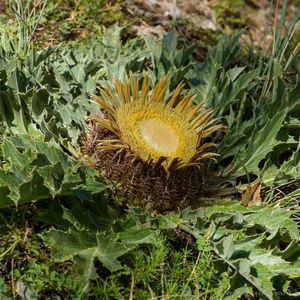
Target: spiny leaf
(205, 79)
(274, 219)
(240, 238)
(261, 143)
(292, 166)
(36, 170)
(87, 246)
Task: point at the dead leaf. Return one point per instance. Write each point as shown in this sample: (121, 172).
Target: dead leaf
(252, 195)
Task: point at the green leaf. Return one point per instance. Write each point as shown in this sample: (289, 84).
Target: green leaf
(84, 248)
(225, 247)
(169, 43)
(36, 170)
(274, 219)
(205, 81)
(292, 166)
(246, 239)
(260, 145)
(233, 91)
(138, 236)
(226, 50)
(168, 221)
(87, 246)
(4, 290)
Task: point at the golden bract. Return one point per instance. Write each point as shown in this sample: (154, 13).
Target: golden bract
(171, 134)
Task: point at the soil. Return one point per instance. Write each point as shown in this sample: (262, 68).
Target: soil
(205, 21)
(2, 6)
(202, 22)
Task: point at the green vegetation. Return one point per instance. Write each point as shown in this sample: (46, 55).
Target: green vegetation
(70, 20)
(64, 233)
(231, 14)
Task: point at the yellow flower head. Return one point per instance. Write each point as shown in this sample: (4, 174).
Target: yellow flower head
(169, 133)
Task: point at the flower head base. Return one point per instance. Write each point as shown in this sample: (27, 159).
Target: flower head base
(170, 134)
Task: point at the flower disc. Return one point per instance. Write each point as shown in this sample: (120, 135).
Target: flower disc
(154, 131)
(158, 136)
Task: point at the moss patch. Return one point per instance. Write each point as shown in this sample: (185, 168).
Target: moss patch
(232, 14)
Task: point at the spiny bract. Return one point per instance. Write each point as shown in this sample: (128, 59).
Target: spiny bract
(157, 131)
